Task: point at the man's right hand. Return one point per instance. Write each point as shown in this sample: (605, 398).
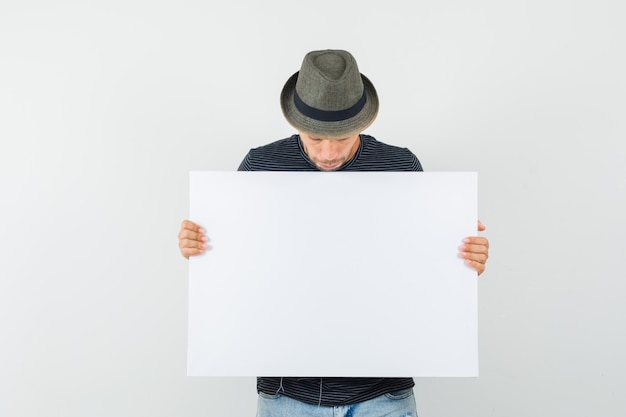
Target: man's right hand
(191, 239)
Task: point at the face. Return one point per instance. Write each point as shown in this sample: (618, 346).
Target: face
(329, 154)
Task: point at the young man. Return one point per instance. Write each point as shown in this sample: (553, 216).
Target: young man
(330, 103)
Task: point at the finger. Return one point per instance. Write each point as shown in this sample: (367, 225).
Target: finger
(481, 227)
(192, 247)
(476, 252)
(476, 240)
(472, 248)
(187, 252)
(191, 235)
(473, 256)
(189, 225)
(192, 244)
(477, 266)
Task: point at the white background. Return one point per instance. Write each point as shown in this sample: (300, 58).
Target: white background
(106, 106)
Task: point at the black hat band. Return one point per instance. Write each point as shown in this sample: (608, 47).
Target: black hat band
(329, 115)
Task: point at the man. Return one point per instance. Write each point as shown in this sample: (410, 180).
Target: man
(330, 103)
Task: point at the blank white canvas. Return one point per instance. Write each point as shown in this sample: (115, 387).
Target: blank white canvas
(333, 274)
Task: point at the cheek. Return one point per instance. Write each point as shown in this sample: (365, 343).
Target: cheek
(348, 149)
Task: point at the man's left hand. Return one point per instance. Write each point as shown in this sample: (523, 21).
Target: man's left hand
(475, 250)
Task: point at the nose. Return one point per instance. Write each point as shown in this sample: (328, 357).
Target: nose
(330, 150)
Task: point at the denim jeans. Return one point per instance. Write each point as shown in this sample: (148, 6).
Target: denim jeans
(395, 404)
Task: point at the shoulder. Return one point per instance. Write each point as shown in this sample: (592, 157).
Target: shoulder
(281, 155)
(379, 156)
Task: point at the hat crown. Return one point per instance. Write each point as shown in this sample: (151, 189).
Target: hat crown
(329, 80)
(329, 97)
(330, 64)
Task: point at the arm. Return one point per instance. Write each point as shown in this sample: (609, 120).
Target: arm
(475, 250)
(191, 239)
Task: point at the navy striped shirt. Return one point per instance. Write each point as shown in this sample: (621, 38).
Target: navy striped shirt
(289, 155)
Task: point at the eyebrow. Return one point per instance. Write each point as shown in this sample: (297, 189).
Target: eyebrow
(316, 138)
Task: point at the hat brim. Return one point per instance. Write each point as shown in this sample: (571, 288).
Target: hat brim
(329, 130)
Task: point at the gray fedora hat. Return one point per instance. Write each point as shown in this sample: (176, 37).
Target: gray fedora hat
(329, 97)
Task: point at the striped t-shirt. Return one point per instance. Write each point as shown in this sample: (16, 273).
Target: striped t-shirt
(289, 155)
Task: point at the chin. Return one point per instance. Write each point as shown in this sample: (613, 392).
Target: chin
(328, 168)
